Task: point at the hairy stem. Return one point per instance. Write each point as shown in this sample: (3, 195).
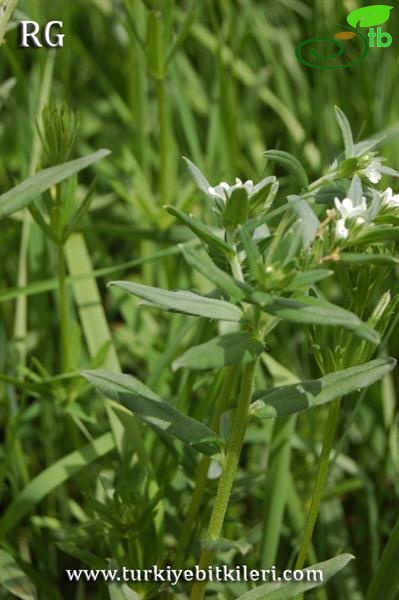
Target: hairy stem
(202, 475)
(229, 470)
(322, 472)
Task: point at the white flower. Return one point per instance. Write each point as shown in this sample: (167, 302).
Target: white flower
(347, 210)
(372, 172)
(341, 232)
(224, 190)
(390, 199)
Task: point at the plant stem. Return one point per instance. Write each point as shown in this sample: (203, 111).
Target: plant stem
(63, 310)
(322, 472)
(229, 470)
(202, 475)
(7, 10)
(164, 139)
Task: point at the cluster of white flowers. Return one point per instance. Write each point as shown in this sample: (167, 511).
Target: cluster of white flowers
(224, 190)
(348, 210)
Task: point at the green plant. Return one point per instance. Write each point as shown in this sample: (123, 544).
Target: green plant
(268, 266)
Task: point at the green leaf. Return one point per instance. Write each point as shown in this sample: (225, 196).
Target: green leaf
(385, 581)
(291, 164)
(375, 235)
(197, 176)
(233, 288)
(27, 191)
(283, 591)
(369, 16)
(355, 191)
(202, 231)
(52, 477)
(327, 193)
(308, 219)
(183, 301)
(149, 407)
(252, 255)
(308, 278)
(313, 311)
(368, 259)
(236, 211)
(13, 579)
(230, 349)
(290, 399)
(346, 130)
(93, 561)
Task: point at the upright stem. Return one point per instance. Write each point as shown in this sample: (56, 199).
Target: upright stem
(202, 475)
(164, 139)
(63, 310)
(322, 472)
(229, 470)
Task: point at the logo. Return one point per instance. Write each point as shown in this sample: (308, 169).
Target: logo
(30, 35)
(367, 16)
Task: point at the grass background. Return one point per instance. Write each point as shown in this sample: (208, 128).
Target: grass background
(217, 81)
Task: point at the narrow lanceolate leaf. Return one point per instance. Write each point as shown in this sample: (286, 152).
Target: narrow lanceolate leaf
(346, 131)
(27, 191)
(291, 164)
(320, 574)
(230, 349)
(375, 235)
(197, 176)
(309, 221)
(13, 579)
(290, 399)
(148, 406)
(313, 311)
(368, 259)
(236, 212)
(183, 302)
(385, 581)
(308, 278)
(203, 232)
(233, 288)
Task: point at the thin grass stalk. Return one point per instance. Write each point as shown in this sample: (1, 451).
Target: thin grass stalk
(322, 472)
(63, 310)
(7, 7)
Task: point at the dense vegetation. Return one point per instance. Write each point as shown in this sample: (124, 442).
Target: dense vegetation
(84, 483)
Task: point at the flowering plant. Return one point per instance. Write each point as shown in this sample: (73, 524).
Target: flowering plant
(269, 265)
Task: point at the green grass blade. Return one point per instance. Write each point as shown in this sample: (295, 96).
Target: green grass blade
(49, 479)
(13, 579)
(385, 581)
(25, 192)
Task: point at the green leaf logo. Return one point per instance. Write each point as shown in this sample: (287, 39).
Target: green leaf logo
(369, 16)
